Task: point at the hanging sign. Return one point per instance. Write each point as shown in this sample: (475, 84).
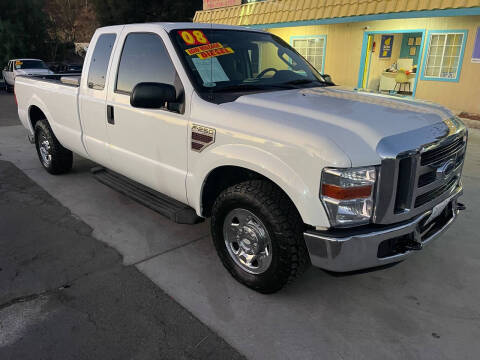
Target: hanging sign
(214, 4)
(476, 48)
(386, 46)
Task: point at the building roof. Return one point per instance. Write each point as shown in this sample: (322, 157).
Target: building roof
(171, 26)
(281, 11)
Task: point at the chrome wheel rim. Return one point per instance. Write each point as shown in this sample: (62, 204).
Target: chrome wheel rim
(247, 240)
(44, 148)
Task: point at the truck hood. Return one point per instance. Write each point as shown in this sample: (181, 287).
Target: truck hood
(355, 121)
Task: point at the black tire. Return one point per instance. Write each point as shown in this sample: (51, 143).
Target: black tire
(285, 229)
(8, 88)
(61, 160)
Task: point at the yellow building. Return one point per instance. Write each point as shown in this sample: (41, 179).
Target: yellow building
(366, 43)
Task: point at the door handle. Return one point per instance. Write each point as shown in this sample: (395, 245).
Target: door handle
(110, 115)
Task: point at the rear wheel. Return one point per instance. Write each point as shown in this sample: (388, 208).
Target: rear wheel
(258, 235)
(53, 156)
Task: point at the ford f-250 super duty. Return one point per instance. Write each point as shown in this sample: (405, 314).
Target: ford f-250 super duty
(201, 121)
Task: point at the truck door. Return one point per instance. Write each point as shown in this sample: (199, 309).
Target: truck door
(147, 145)
(92, 99)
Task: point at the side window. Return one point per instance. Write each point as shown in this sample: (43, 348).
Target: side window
(10, 66)
(99, 63)
(144, 59)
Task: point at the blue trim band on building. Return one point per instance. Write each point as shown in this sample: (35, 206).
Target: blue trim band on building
(398, 15)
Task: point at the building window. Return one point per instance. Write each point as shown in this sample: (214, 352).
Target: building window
(311, 48)
(443, 60)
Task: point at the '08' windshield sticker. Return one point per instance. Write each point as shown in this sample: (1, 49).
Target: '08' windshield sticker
(193, 37)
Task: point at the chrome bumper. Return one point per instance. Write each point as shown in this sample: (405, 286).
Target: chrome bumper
(350, 249)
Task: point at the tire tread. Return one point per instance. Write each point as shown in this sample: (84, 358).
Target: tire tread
(285, 218)
(62, 158)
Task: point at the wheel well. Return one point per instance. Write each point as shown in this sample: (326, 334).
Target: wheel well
(35, 114)
(222, 178)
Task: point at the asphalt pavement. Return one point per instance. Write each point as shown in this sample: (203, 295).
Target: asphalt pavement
(8, 109)
(427, 307)
(66, 295)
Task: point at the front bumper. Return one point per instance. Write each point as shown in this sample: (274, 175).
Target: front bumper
(354, 249)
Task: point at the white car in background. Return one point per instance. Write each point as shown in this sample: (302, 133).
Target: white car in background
(23, 67)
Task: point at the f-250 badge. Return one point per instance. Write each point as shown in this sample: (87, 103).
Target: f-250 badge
(202, 137)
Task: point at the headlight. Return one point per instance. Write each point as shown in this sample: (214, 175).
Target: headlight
(348, 195)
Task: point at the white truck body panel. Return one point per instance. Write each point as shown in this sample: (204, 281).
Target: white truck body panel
(287, 136)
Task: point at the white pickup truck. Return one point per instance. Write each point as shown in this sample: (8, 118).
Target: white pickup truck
(211, 121)
(18, 67)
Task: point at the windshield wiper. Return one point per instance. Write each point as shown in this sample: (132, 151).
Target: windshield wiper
(238, 87)
(307, 81)
(252, 87)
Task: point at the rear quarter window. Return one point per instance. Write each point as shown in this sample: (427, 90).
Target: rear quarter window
(97, 72)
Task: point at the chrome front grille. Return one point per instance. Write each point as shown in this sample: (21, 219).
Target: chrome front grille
(437, 192)
(441, 153)
(415, 180)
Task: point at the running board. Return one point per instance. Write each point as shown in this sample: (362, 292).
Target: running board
(164, 205)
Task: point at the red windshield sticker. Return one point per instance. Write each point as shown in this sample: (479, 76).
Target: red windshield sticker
(200, 49)
(215, 52)
(193, 37)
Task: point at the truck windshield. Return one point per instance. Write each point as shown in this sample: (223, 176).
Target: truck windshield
(242, 61)
(30, 64)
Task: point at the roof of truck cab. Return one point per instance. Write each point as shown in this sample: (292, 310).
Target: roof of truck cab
(170, 26)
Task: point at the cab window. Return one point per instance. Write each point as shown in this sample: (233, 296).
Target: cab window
(144, 59)
(97, 72)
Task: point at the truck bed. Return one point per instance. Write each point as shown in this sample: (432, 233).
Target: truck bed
(56, 96)
(62, 79)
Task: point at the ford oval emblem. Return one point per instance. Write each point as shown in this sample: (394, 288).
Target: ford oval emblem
(446, 169)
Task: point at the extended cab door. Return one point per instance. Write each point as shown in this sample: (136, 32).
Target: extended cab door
(93, 95)
(147, 145)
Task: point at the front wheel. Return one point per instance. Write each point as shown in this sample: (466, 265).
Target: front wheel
(53, 156)
(258, 235)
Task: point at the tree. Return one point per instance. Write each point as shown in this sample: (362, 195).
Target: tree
(69, 21)
(63, 16)
(114, 12)
(22, 29)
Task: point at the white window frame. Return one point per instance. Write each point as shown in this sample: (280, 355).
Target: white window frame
(427, 54)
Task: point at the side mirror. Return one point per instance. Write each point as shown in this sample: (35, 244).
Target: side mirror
(327, 78)
(150, 95)
(5, 68)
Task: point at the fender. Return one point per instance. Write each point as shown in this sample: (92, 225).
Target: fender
(304, 196)
(69, 137)
(36, 101)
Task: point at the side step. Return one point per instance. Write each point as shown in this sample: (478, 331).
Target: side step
(168, 207)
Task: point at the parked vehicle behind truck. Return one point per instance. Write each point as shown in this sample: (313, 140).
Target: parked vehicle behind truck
(23, 67)
(221, 122)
